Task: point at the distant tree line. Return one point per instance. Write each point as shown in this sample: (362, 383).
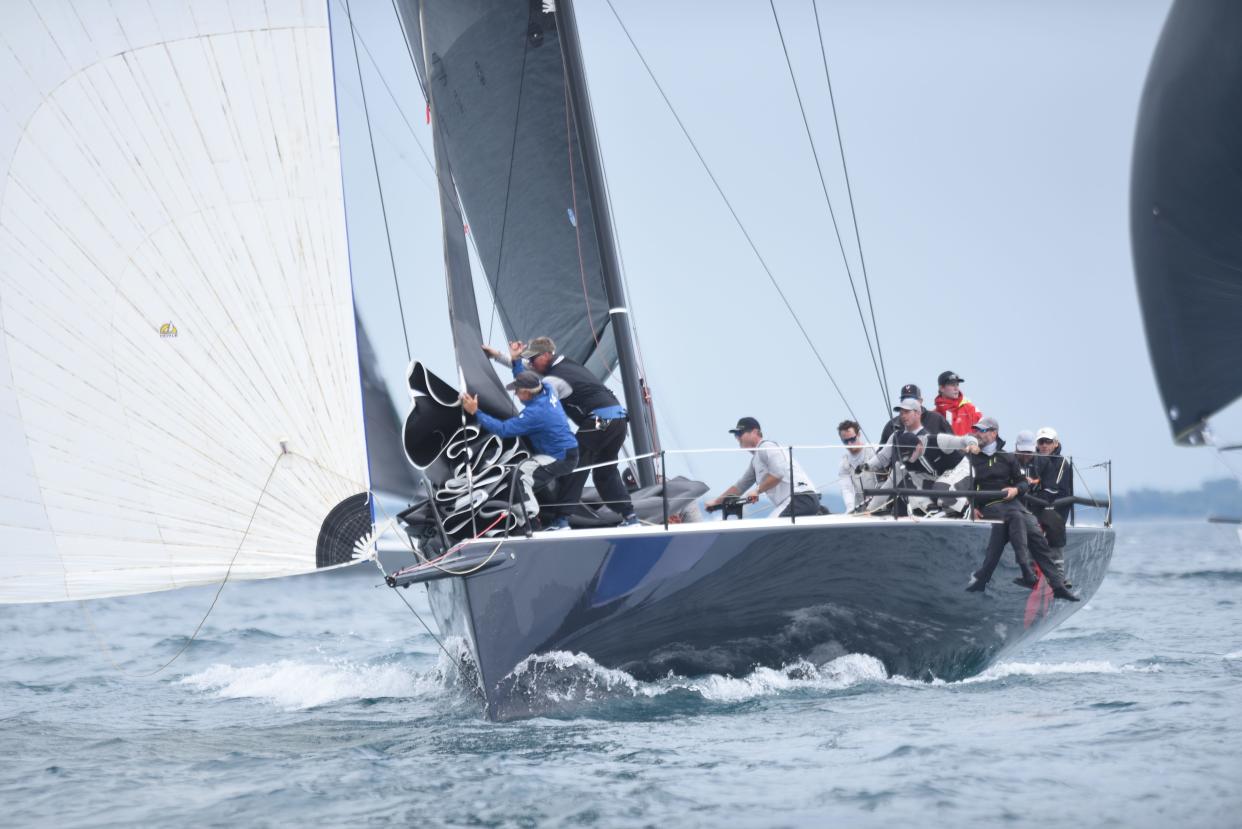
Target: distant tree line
(1222, 498)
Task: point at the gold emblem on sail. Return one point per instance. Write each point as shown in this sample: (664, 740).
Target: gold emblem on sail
(168, 330)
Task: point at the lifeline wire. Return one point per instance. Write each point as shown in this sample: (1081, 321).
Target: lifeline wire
(831, 213)
(378, 181)
(737, 219)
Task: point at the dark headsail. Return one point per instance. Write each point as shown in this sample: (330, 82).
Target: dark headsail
(1186, 212)
(496, 84)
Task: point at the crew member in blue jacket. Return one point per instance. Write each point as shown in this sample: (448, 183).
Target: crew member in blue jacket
(543, 423)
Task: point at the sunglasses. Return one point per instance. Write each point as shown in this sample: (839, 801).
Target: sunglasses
(850, 440)
(1044, 441)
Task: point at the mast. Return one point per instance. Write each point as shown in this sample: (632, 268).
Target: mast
(627, 353)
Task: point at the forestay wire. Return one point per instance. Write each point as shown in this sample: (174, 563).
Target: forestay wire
(378, 180)
(736, 218)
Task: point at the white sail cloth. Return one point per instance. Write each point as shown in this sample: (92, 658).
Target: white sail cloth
(174, 296)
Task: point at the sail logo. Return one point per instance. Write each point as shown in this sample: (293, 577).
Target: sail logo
(168, 330)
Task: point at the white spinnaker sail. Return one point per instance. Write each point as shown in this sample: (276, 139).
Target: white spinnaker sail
(174, 295)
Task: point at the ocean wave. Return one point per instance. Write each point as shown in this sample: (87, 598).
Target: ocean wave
(563, 677)
(561, 681)
(1005, 670)
(293, 685)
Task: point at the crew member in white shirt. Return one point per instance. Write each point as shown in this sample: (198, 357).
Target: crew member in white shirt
(769, 472)
(854, 477)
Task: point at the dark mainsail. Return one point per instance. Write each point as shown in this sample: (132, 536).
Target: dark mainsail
(496, 83)
(1186, 212)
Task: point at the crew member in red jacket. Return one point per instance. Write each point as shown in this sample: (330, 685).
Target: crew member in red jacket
(955, 406)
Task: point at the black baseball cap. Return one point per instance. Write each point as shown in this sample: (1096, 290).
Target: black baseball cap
(910, 390)
(744, 424)
(947, 377)
(526, 380)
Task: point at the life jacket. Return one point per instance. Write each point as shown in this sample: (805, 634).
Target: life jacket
(960, 412)
(588, 395)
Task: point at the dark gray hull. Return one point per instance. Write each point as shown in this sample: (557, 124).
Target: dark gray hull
(727, 597)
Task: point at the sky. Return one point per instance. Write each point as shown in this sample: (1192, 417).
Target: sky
(988, 147)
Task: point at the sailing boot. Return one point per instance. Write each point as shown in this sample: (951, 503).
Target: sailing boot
(1058, 559)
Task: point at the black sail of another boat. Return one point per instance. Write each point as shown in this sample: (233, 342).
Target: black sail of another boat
(1186, 212)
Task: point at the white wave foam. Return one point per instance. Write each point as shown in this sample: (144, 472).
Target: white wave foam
(296, 685)
(1008, 669)
(1234, 655)
(562, 676)
(842, 672)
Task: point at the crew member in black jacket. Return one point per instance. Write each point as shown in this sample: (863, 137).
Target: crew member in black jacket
(947, 468)
(995, 469)
(1056, 481)
(601, 420)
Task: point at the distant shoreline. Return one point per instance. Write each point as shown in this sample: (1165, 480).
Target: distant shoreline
(1220, 497)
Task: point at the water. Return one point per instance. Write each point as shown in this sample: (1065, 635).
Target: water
(321, 701)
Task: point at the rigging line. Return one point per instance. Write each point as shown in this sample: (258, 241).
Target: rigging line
(831, 212)
(573, 191)
(648, 404)
(405, 333)
(430, 633)
(504, 222)
(850, 192)
(227, 573)
(737, 219)
(649, 401)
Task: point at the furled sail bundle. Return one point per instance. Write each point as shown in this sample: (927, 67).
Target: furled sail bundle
(179, 381)
(1186, 212)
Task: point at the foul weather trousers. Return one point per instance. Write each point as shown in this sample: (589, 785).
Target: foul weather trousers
(1019, 528)
(600, 446)
(539, 473)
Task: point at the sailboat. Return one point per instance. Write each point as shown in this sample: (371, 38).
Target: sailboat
(1185, 211)
(515, 151)
(188, 396)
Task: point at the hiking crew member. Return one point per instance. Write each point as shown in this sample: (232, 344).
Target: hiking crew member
(770, 465)
(601, 420)
(542, 422)
(995, 469)
(949, 466)
(1055, 477)
(954, 406)
(928, 460)
(858, 470)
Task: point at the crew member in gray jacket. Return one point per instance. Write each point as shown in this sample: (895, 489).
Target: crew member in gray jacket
(771, 466)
